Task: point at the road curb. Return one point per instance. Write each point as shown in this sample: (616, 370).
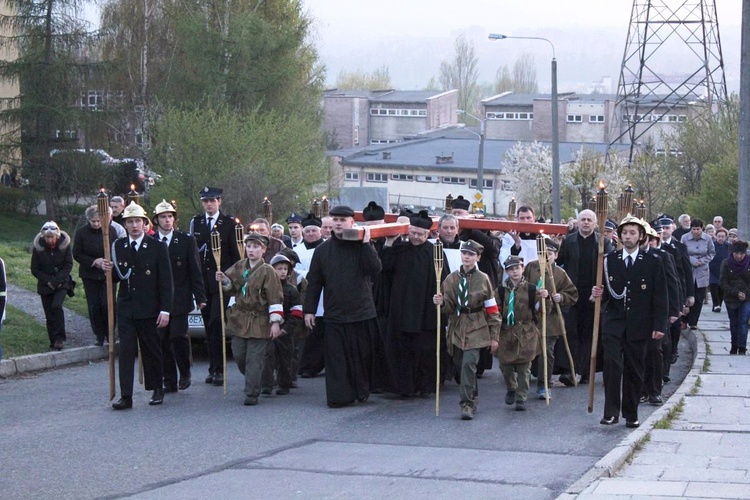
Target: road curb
(610, 463)
(51, 360)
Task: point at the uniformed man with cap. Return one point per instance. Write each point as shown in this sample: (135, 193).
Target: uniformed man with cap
(144, 303)
(635, 294)
(654, 368)
(188, 286)
(468, 298)
(685, 271)
(294, 224)
(201, 227)
(346, 270)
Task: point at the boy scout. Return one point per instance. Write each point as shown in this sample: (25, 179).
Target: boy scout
(256, 316)
(473, 321)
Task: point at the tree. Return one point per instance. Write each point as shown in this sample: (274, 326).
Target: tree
(462, 73)
(503, 80)
(702, 140)
(52, 71)
(251, 155)
(521, 81)
(530, 163)
(588, 167)
(379, 79)
(524, 75)
(195, 53)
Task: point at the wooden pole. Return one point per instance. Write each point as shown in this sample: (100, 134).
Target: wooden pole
(601, 215)
(102, 207)
(438, 257)
(541, 248)
(216, 250)
(562, 325)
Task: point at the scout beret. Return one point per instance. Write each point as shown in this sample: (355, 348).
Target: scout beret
(290, 254)
(210, 192)
(512, 261)
(311, 220)
(341, 211)
(472, 246)
(373, 211)
(422, 219)
(554, 245)
(263, 240)
(461, 203)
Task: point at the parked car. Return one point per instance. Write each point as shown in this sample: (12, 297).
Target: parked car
(196, 329)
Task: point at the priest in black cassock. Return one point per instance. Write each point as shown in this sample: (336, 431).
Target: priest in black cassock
(412, 319)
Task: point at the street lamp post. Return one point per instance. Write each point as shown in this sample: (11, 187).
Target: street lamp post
(555, 130)
(480, 160)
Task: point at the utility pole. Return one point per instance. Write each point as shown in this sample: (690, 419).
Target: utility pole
(743, 184)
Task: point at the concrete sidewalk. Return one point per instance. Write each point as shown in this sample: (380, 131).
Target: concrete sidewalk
(697, 445)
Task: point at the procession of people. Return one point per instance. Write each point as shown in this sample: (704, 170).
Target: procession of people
(370, 307)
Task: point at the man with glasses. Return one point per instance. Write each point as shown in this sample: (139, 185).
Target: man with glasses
(201, 227)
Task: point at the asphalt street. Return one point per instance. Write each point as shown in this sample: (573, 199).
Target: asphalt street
(61, 439)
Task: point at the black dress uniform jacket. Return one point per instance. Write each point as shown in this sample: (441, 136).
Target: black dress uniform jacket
(186, 272)
(148, 289)
(646, 306)
(199, 229)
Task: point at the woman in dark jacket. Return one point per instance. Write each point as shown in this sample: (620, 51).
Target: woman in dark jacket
(714, 268)
(88, 251)
(51, 263)
(735, 281)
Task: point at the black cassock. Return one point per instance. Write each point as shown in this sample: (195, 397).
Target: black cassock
(412, 317)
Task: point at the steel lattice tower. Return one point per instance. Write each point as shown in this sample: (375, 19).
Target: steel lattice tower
(653, 82)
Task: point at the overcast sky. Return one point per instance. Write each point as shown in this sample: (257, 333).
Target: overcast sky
(345, 27)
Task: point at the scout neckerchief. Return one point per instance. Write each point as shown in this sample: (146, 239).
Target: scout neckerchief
(510, 318)
(463, 289)
(247, 275)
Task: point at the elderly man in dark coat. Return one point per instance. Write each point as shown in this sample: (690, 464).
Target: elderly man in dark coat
(410, 341)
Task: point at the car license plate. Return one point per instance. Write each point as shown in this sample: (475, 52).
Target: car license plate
(195, 320)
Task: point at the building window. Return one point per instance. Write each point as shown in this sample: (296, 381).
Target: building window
(509, 116)
(486, 183)
(351, 176)
(402, 177)
(596, 118)
(383, 141)
(506, 185)
(356, 135)
(454, 180)
(575, 119)
(411, 113)
(428, 178)
(372, 177)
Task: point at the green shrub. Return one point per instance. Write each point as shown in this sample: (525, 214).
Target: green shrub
(18, 201)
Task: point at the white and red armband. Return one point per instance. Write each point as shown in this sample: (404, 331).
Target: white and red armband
(490, 306)
(276, 311)
(297, 312)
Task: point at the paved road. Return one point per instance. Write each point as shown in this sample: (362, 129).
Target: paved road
(61, 439)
